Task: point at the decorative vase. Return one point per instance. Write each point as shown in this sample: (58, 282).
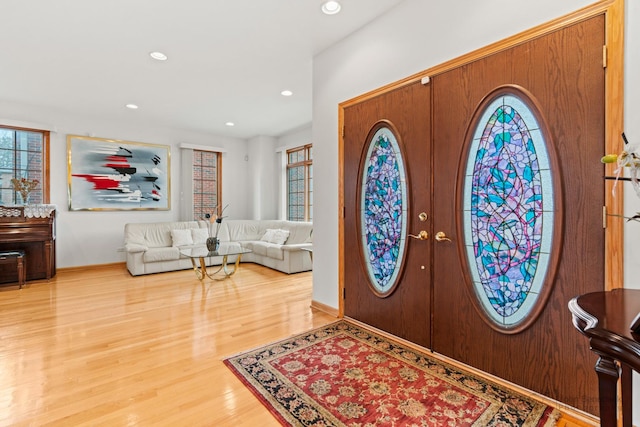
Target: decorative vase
(25, 197)
(213, 244)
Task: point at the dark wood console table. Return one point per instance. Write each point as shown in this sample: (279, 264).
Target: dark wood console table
(31, 229)
(605, 318)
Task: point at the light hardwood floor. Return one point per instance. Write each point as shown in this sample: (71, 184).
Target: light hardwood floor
(99, 347)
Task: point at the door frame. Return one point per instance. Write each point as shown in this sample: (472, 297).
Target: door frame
(613, 61)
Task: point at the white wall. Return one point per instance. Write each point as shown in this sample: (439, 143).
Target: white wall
(89, 238)
(262, 160)
(295, 138)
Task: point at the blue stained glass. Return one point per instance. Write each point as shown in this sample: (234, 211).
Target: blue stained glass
(383, 210)
(508, 210)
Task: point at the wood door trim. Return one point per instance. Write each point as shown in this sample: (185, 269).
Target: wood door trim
(614, 121)
(613, 127)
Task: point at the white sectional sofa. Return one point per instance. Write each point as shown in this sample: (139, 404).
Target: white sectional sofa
(155, 247)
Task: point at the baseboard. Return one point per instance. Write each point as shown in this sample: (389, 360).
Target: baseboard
(325, 308)
(92, 267)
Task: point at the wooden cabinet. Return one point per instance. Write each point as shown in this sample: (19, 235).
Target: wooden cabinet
(31, 229)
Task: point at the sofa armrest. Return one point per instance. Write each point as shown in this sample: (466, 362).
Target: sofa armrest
(296, 247)
(134, 247)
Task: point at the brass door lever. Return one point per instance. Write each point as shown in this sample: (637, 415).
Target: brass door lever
(441, 237)
(422, 235)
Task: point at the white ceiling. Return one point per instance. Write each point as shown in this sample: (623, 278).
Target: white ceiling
(228, 60)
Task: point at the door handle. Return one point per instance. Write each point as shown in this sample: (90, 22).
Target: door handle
(422, 235)
(441, 237)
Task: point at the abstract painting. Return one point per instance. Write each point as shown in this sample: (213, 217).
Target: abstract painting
(108, 174)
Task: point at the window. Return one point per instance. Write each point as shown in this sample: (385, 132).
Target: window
(206, 183)
(24, 153)
(300, 184)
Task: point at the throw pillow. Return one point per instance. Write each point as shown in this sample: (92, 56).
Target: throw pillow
(280, 236)
(181, 237)
(199, 235)
(268, 235)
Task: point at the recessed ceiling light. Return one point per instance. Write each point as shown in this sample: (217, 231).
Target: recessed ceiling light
(230, 124)
(159, 56)
(132, 106)
(286, 93)
(331, 7)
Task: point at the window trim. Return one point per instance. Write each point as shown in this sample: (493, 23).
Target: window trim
(218, 202)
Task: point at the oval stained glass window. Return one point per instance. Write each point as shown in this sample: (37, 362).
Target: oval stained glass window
(383, 201)
(508, 211)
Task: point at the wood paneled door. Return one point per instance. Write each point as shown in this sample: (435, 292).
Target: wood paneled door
(390, 132)
(502, 156)
(562, 77)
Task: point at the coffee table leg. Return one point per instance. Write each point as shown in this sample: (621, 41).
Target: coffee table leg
(232, 272)
(199, 270)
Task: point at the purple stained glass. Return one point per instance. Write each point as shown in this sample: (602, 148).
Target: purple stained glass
(383, 215)
(507, 205)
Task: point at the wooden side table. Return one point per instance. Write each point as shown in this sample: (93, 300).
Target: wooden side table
(605, 318)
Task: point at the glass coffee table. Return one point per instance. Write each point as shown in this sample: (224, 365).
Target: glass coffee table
(198, 255)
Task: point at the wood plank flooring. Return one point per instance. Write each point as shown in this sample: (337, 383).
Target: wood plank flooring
(98, 347)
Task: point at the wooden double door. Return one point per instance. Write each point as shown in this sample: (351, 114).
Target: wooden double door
(432, 304)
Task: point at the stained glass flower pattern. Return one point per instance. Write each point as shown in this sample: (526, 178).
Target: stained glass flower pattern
(508, 210)
(383, 210)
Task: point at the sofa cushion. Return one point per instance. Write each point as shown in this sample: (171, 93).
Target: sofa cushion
(161, 254)
(275, 251)
(299, 232)
(240, 230)
(199, 236)
(280, 237)
(268, 235)
(157, 234)
(181, 237)
(265, 249)
(259, 248)
(277, 236)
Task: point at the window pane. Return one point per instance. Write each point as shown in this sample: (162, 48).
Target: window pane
(7, 159)
(6, 139)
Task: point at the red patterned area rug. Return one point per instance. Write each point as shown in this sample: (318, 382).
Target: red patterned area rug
(343, 375)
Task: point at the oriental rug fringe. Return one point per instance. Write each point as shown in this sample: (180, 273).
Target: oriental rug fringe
(343, 375)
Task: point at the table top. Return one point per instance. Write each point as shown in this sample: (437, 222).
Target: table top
(605, 317)
(224, 249)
